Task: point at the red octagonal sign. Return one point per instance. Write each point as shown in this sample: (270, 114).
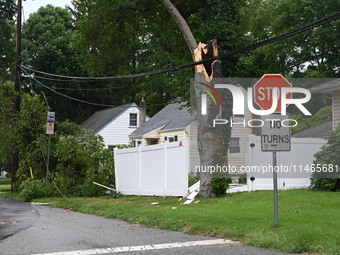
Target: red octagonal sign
(264, 87)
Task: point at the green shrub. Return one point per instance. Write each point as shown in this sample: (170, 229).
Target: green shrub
(242, 179)
(192, 180)
(31, 189)
(329, 155)
(220, 185)
(82, 160)
(326, 184)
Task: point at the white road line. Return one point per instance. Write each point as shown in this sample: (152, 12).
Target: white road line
(144, 247)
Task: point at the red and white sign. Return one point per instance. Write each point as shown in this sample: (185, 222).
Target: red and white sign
(50, 123)
(263, 91)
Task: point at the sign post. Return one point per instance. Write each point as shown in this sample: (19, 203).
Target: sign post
(275, 137)
(49, 132)
(275, 133)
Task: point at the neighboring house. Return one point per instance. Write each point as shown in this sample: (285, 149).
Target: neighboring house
(174, 123)
(170, 124)
(321, 131)
(331, 87)
(116, 124)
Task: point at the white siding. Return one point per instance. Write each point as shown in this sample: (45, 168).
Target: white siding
(239, 159)
(179, 133)
(336, 109)
(118, 130)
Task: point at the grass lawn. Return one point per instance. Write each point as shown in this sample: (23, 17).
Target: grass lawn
(5, 187)
(5, 181)
(309, 221)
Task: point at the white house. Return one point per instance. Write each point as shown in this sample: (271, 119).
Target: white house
(174, 123)
(331, 87)
(116, 124)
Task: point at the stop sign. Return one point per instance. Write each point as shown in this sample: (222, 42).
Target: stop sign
(263, 90)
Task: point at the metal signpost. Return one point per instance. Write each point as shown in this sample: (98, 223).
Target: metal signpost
(49, 132)
(275, 136)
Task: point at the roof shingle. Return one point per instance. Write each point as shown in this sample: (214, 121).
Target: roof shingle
(172, 117)
(100, 119)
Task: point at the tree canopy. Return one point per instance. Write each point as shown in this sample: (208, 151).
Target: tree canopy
(101, 38)
(49, 45)
(7, 38)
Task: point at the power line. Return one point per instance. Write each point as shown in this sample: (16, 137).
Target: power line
(96, 104)
(291, 33)
(130, 86)
(82, 81)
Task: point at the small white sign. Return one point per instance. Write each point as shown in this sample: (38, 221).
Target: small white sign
(275, 133)
(50, 123)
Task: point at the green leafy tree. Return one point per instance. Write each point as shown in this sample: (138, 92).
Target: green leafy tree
(329, 157)
(49, 45)
(7, 121)
(82, 160)
(124, 37)
(322, 116)
(7, 40)
(311, 54)
(77, 157)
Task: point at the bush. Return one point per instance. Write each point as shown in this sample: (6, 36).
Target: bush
(192, 180)
(31, 189)
(329, 155)
(325, 184)
(82, 160)
(220, 185)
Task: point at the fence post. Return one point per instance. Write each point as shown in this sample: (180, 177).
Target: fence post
(140, 170)
(165, 148)
(187, 156)
(115, 150)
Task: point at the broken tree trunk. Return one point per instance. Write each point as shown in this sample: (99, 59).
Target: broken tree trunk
(211, 141)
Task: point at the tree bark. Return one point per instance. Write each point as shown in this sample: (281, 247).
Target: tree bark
(182, 24)
(209, 140)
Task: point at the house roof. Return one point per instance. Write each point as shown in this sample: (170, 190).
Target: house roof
(320, 131)
(327, 87)
(100, 119)
(172, 117)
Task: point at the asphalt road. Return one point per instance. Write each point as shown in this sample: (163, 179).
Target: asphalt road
(15, 216)
(27, 229)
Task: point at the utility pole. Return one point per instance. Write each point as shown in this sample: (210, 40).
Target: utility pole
(15, 154)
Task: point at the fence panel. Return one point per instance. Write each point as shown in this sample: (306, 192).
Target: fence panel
(155, 170)
(301, 155)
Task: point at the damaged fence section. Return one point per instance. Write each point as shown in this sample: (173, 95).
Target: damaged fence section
(154, 170)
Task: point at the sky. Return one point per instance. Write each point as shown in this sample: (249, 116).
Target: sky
(31, 6)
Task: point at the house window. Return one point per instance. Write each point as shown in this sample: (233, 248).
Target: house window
(133, 119)
(111, 147)
(152, 141)
(137, 143)
(171, 138)
(235, 145)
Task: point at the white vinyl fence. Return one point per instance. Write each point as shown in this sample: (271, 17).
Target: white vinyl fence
(155, 170)
(299, 158)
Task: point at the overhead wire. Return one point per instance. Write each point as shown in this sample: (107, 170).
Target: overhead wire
(38, 135)
(307, 27)
(96, 104)
(291, 33)
(130, 86)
